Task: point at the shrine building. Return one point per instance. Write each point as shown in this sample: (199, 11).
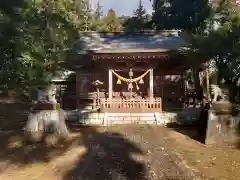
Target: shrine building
(130, 73)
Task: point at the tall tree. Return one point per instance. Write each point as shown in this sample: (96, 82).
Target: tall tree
(123, 19)
(98, 12)
(140, 16)
(88, 15)
(35, 38)
(111, 22)
(139, 21)
(222, 45)
(35, 41)
(180, 14)
(97, 18)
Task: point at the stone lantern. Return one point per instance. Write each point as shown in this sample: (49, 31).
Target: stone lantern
(97, 84)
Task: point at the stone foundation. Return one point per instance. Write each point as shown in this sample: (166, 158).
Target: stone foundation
(107, 119)
(222, 129)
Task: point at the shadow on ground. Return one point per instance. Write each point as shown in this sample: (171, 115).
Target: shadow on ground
(196, 130)
(13, 115)
(190, 131)
(14, 149)
(200, 129)
(108, 155)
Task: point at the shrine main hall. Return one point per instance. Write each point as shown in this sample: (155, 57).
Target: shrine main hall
(136, 73)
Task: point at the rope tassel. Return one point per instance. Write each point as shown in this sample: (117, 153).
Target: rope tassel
(119, 81)
(141, 81)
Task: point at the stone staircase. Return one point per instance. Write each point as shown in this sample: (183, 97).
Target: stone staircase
(108, 119)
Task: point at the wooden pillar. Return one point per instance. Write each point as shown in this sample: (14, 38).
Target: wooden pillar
(77, 90)
(151, 84)
(110, 84)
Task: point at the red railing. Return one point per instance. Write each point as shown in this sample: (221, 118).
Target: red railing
(131, 105)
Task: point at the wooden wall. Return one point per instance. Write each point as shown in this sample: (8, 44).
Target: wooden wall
(170, 87)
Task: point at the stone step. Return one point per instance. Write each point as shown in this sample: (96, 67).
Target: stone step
(131, 114)
(92, 121)
(131, 122)
(131, 118)
(88, 107)
(95, 118)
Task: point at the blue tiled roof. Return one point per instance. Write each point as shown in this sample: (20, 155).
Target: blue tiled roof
(126, 42)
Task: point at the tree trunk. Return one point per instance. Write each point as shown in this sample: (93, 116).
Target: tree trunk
(198, 87)
(233, 89)
(207, 82)
(196, 78)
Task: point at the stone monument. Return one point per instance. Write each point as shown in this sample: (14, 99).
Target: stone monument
(222, 123)
(46, 121)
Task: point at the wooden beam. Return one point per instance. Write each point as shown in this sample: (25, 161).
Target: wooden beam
(124, 69)
(151, 84)
(110, 84)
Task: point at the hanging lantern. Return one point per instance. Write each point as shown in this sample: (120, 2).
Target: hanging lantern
(141, 81)
(119, 81)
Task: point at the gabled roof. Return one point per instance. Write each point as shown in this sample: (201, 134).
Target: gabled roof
(160, 41)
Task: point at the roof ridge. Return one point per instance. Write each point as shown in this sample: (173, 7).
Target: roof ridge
(136, 33)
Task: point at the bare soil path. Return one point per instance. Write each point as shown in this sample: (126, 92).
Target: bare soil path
(120, 152)
(125, 153)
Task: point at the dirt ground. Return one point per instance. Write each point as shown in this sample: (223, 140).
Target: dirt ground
(207, 161)
(119, 152)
